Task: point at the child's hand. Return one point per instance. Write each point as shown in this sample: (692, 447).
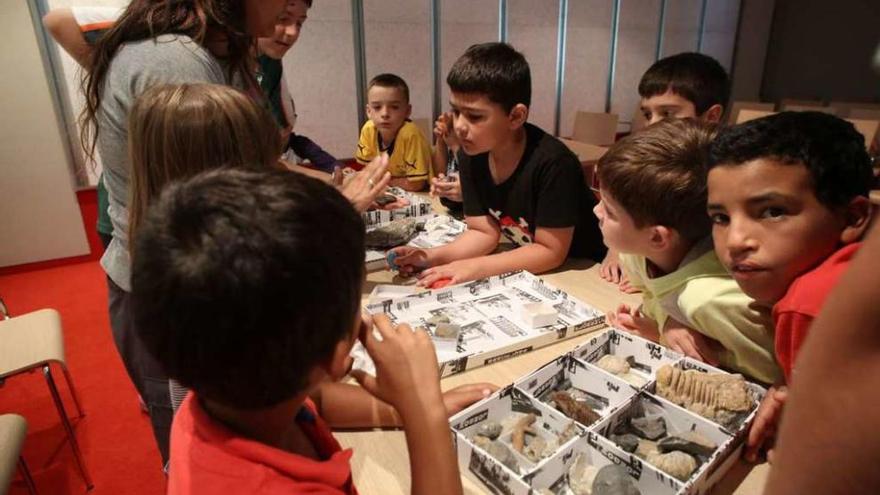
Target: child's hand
(367, 184)
(461, 397)
(610, 269)
(763, 429)
(690, 342)
(633, 321)
(410, 260)
(446, 187)
(407, 374)
(457, 272)
(443, 130)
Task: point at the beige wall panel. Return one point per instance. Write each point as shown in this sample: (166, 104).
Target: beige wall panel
(586, 59)
(636, 50)
(462, 24)
(533, 30)
(41, 217)
(719, 34)
(681, 29)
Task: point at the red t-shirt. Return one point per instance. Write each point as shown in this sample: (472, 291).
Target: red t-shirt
(794, 313)
(208, 458)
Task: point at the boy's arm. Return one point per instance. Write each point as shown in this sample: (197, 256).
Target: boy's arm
(684, 339)
(549, 250)
(66, 32)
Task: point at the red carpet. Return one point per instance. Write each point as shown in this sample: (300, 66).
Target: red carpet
(115, 435)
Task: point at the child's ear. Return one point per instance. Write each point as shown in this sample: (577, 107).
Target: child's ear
(661, 237)
(518, 116)
(858, 216)
(713, 114)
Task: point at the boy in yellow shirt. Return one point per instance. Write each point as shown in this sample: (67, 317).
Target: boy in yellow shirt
(389, 130)
(652, 211)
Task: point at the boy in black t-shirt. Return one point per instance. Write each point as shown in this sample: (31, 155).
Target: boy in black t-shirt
(516, 179)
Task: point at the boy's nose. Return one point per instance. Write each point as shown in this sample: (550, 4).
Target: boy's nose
(739, 239)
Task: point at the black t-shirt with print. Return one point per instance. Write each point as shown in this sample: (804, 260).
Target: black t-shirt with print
(547, 189)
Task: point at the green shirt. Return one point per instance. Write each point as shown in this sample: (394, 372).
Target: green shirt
(104, 225)
(703, 296)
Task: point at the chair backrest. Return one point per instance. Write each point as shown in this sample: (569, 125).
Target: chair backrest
(800, 103)
(867, 128)
(595, 128)
(13, 429)
(746, 115)
(737, 106)
(809, 108)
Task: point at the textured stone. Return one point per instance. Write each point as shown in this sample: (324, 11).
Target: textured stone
(627, 442)
(499, 451)
(489, 429)
(690, 442)
(614, 480)
(646, 448)
(392, 234)
(650, 427)
(676, 464)
(720, 397)
(537, 448)
(575, 410)
(615, 365)
(385, 199)
(522, 426)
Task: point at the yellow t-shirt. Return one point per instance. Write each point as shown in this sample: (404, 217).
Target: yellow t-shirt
(409, 153)
(703, 296)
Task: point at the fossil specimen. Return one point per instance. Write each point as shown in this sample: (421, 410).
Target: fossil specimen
(394, 233)
(490, 429)
(689, 442)
(575, 410)
(676, 464)
(650, 427)
(613, 480)
(523, 425)
(718, 396)
(497, 450)
(620, 367)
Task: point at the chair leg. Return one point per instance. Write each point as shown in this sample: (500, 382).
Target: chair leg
(73, 392)
(65, 421)
(26, 474)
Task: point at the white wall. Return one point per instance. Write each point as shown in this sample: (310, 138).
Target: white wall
(532, 27)
(41, 217)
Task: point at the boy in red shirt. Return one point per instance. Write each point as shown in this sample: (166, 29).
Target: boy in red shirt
(246, 288)
(788, 199)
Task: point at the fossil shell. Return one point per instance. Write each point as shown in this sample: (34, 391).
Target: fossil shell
(676, 464)
(711, 395)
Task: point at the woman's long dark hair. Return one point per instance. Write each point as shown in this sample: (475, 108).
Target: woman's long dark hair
(145, 19)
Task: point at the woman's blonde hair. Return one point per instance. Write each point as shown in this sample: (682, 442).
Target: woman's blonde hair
(176, 131)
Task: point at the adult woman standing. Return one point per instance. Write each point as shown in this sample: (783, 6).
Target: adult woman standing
(157, 42)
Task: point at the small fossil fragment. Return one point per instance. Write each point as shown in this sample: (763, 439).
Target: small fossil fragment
(676, 464)
(447, 331)
(489, 429)
(575, 410)
(720, 397)
(581, 475)
(620, 367)
(689, 442)
(568, 433)
(650, 427)
(385, 199)
(518, 437)
(497, 450)
(536, 448)
(614, 480)
(646, 448)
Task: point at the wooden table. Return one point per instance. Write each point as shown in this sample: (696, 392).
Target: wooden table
(381, 464)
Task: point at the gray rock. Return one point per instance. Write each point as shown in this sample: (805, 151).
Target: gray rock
(649, 427)
(613, 480)
(385, 199)
(627, 442)
(489, 429)
(448, 331)
(499, 451)
(392, 234)
(690, 442)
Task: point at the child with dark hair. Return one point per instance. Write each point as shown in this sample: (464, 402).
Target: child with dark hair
(390, 131)
(653, 197)
(516, 180)
(686, 85)
(246, 287)
(791, 224)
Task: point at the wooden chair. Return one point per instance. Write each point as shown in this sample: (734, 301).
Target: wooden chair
(737, 106)
(799, 103)
(35, 341)
(746, 115)
(13, 430)
(595, 128)
(844, 108)
(864, 113)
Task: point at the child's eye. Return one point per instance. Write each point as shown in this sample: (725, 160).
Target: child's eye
(474, 118)
(773, 212)
(646, 115)
(719, 218)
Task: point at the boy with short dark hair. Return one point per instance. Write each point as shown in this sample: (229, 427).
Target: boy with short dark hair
(686, 85)
(516, 179)
(389, 130)
(653, 193)
(246, 288)
(788, 199)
